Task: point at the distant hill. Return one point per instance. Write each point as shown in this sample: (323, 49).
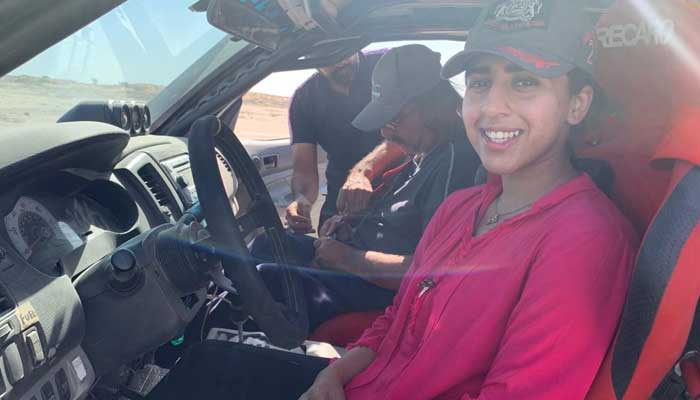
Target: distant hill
(43, 99)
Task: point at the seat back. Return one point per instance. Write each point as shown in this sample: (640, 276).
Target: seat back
(648, 62)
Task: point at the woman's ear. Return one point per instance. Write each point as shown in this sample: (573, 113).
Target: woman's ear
(579, 105)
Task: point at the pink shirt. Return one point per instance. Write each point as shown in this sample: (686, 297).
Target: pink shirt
(524, 311)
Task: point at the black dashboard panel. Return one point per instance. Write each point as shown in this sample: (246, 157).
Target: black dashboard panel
(83, 189)
(41, 320)
(88, 145)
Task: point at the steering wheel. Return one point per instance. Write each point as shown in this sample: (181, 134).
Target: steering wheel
(285, 323)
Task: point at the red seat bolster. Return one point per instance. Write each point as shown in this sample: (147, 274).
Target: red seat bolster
(344, 329)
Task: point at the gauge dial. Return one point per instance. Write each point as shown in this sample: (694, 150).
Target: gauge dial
(38, 236)
(125, 120)
(29, 225)
(136, 118)
(146, 120)
(121, 115)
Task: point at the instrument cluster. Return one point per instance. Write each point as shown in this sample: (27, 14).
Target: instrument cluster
(45, 228)
(131, 116)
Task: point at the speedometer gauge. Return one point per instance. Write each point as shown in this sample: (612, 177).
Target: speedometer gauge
(29, 225)
(38, 236)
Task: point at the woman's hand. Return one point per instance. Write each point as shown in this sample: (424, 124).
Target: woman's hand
(327, 386)
(329, 382)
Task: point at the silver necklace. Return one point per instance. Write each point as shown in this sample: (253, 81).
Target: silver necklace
(497, 217)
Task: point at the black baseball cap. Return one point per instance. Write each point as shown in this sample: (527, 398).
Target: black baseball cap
(401, 75)
(549, 38)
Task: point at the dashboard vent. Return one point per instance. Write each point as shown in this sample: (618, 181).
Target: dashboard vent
(161, 191)
(155, 184)
(6, 303)
(223, 161)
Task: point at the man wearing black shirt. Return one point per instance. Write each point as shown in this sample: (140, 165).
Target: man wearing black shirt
(321, 113)
(359, 259)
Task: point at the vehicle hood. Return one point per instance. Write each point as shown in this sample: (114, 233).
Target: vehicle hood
(30, 27)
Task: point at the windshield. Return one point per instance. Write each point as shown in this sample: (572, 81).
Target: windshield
(131, 54)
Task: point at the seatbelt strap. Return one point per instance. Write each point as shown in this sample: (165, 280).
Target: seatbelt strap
(385, 181)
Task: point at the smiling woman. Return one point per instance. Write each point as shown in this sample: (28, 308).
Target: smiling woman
(539, 235)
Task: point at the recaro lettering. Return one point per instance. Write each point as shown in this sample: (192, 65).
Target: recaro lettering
(632, 35)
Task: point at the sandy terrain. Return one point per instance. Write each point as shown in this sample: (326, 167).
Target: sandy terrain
(26, 99)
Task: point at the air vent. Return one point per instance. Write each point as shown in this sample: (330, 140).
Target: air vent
(6, 303)
(223, 161)
(161, 192)
(155, 184)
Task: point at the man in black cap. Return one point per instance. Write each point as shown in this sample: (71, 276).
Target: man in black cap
(320, 114)
(359, 259)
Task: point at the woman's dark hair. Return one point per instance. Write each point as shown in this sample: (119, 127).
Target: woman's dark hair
(439, 106)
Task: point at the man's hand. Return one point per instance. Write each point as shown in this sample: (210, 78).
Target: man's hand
(299, 217)
(334, 255)
(337, 225)
(327, 386)
(355, 194)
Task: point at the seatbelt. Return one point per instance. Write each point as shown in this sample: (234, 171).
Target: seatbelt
(386, 179)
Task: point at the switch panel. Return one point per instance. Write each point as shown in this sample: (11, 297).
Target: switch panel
(79, 368)
(47, 392)
(13, 363)
(63, 385)
(35, 347)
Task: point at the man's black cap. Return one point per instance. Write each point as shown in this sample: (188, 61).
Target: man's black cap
(401, 75)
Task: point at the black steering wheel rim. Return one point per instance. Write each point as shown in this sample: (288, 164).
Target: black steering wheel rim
(286, 323)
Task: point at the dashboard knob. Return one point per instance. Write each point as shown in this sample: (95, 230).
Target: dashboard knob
(182, 182)
(123, 260)
(125, 275)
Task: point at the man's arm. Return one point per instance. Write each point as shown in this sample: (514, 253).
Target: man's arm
(382, 269)
(304, 186)
(357, 190)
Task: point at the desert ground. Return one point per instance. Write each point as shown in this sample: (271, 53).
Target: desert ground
(26, 99)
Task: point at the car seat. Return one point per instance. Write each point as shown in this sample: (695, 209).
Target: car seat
(648, 62)
(646, 66)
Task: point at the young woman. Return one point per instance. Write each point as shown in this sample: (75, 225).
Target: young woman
(516, 287)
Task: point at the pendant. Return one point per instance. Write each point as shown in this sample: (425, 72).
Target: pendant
(493, 220)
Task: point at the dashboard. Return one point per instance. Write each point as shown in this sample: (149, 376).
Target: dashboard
(56, 216)
(74, 192)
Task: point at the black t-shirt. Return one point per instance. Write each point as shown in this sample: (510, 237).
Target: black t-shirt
(320, 115)
(395, 222)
